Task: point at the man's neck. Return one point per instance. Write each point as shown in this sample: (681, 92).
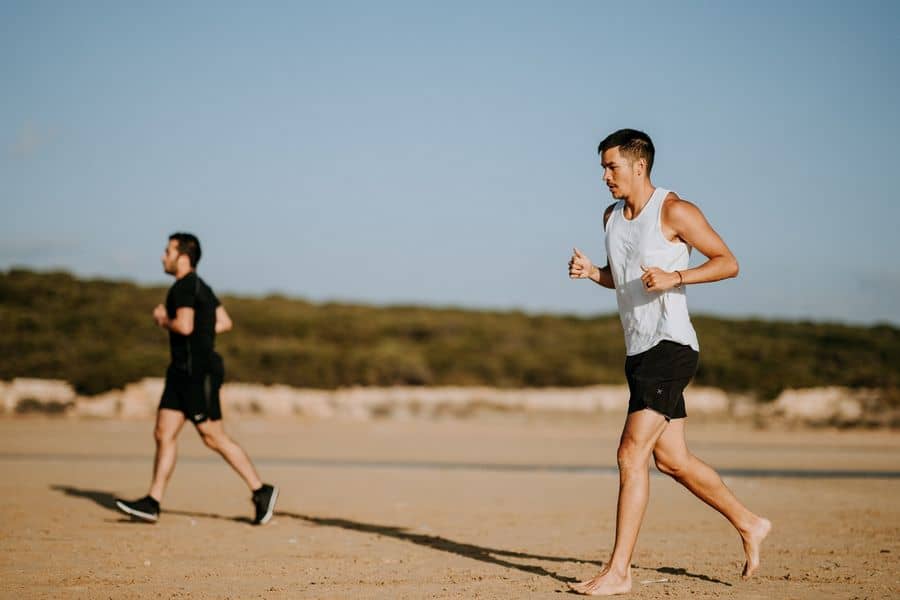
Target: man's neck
(639, 197)
(182, 272)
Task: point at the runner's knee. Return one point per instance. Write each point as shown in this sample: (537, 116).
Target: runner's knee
(163, 436)
(672, 465)
(212, 440)
(630, 454)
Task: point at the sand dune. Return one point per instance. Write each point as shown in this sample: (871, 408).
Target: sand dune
(816, 406)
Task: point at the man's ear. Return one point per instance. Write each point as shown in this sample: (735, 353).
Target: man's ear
(640, 166)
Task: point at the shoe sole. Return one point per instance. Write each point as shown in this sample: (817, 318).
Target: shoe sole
(136, 513)
(271, 508)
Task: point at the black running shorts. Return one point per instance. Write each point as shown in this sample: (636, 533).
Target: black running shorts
(195, 395)
(658, 376)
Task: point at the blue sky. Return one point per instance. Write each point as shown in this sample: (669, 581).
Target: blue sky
(445, 154)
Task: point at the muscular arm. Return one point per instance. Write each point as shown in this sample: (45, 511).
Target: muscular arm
(683, 220)
(223, 321)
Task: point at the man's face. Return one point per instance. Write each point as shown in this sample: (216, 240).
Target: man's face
(620, 173)
(170, 257)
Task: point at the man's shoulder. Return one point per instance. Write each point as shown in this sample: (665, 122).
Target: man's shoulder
(203, 285)
(672, 198)
(676, 208)
(205, 291)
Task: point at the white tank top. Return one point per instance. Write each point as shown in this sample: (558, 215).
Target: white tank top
(648, 317)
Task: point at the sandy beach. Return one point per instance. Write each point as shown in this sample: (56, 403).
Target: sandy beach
(496, 507)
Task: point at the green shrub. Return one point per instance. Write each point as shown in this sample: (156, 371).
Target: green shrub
(99, 335)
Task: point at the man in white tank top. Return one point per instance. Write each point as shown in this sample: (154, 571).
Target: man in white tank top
(649, 235)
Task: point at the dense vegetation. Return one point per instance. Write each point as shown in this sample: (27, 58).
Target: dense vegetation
(99, 335)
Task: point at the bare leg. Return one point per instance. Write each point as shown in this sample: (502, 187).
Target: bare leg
(168, 425)
(674, 459)
(214, 436)
(642, 429)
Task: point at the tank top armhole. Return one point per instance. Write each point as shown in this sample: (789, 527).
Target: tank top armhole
(662, 202)
(617, 207)
(659, 228)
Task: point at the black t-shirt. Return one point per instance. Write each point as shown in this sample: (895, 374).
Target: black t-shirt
(193, 353)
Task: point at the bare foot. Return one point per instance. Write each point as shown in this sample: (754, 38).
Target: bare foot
(606, 583)
(753, 539)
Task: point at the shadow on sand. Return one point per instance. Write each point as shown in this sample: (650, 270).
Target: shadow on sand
(492, 556)
(108, 501)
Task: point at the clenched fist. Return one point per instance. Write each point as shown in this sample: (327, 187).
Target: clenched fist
(657, 280)
(160, 315)
(580, 266)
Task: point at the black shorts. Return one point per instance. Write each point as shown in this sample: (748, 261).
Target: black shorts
(196, 395)
(658, 376)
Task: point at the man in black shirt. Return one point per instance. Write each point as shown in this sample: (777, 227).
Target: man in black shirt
(193, 316)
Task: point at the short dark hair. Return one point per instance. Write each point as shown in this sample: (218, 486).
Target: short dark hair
(189, 245)
(631, 142)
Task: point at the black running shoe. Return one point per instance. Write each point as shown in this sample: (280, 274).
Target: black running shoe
(264, 501)
(145, 509)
